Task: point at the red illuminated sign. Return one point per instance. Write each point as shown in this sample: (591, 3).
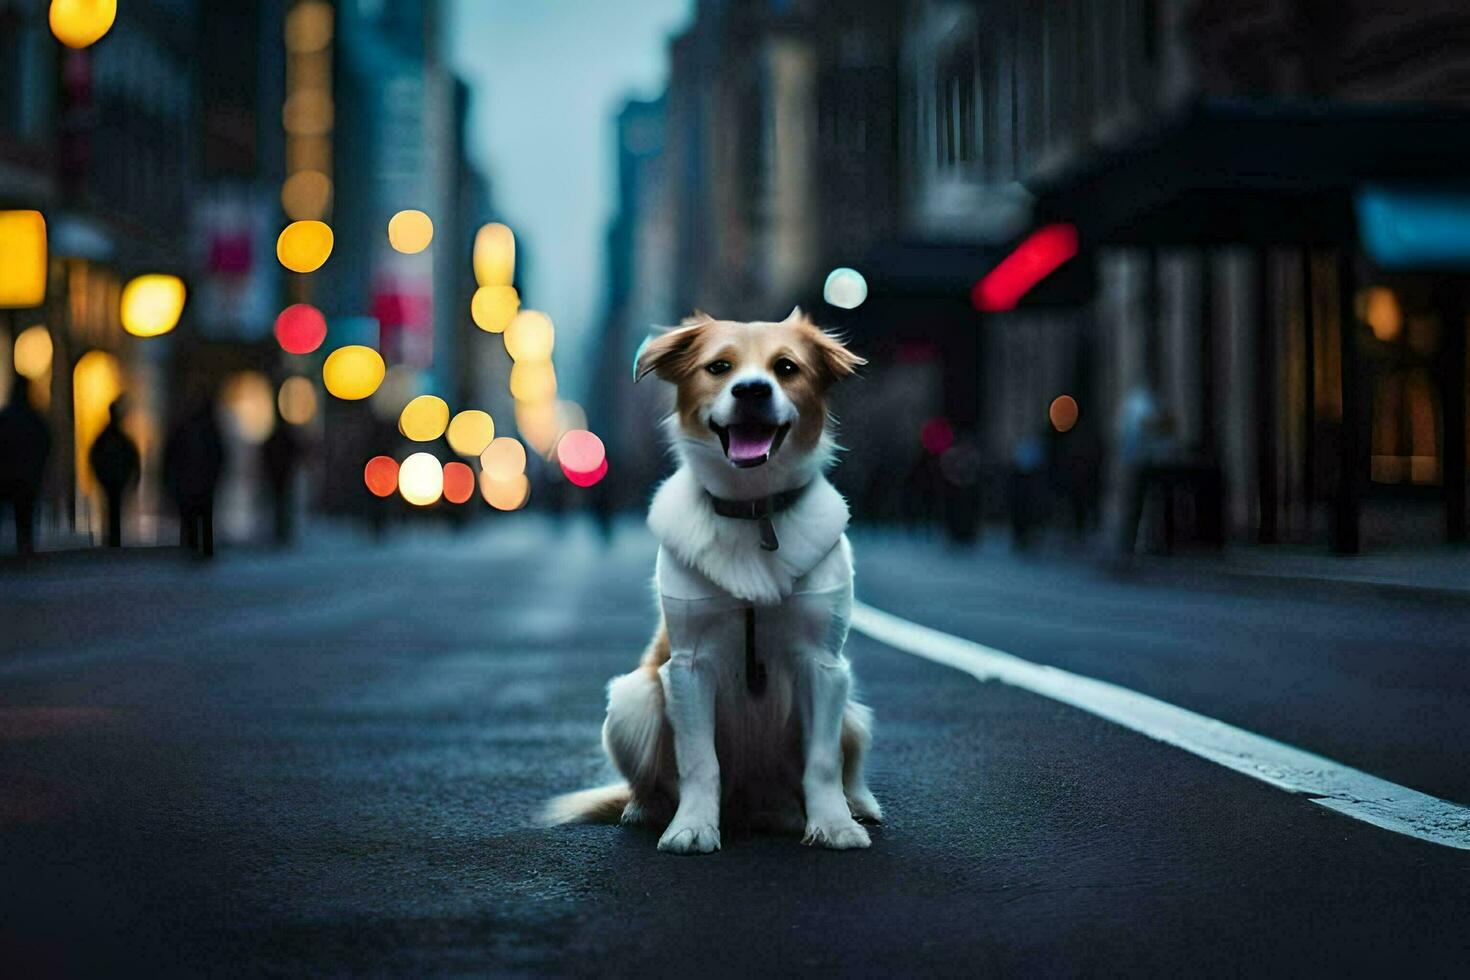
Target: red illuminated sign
(1041, 254)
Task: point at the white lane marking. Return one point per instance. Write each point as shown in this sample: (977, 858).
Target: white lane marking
(1331, 784)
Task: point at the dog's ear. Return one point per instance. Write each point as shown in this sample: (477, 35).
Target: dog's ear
(665, 354)
(833, 359)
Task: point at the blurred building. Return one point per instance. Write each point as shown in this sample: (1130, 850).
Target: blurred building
(1240, 180)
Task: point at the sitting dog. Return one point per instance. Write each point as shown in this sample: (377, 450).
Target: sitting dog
(742, 706)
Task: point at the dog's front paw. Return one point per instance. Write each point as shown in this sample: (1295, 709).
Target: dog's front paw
(838, 835)
(690, 838)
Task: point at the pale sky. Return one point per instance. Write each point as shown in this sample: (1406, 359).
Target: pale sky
(548, 77)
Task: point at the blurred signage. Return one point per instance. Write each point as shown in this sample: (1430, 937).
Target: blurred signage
(235, 297)
(1415, 228)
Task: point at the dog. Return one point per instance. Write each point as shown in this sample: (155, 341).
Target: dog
(741, 711)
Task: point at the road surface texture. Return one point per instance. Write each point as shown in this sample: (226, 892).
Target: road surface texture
(330, 760)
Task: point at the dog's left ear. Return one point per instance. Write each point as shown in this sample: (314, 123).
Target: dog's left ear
(834, 360)
(664, 354)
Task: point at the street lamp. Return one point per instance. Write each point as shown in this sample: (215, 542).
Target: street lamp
(152, 304)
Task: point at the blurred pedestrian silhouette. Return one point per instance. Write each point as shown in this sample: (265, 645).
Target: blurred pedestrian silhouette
(114, 460)
(25, 444)
(281, 453)
(1147, 446)
(192, 462)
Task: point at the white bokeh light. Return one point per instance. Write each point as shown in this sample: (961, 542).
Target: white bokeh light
(845, 288)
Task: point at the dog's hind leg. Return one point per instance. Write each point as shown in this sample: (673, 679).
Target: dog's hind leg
(637, 737)
(857, 735)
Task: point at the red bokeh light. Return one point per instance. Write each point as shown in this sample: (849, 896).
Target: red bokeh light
(1033, 260)
(459, 483)
(301, 328)
(381, 475)
(936, 435)
(586, 479)
(580, 451)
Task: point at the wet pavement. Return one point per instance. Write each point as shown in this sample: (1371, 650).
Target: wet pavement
(331, 760)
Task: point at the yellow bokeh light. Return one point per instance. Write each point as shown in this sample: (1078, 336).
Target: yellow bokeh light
(494, 307)
(530, 337)
(353, 372)
(309, 27)
(308, 112)
(249, 404)
(504, 458)
(306, 195)
(304, 245)
(421, 479)
(309, 153)
(533, 381)
(297, 400)
(508, 494)
(410, 231)
(22, 258)
(33, 352)
(151, 305)
(424, 418)
(538, 424)
(81, 23)
(470, 432)
(1381, 311)
(495, 255)
(96, 383)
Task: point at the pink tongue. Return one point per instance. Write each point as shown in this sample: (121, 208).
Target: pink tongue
(750, 444)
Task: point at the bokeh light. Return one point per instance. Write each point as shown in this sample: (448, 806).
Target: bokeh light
(297, 400)
(1063, 412)
(503, 459)
(22, 258)
(424, 418)
(845, 288)
(353, 372)
(308, 112)
(33, 350)
(508, 494)
(96, 381)
(301, 328)
(152, 304)
(306, 195)
(530, 337)
(539, 424)
(470, 432)
(249, 405)
(81, 23)
(410, 231)
(309, 27)
(421, 479)
(304, 245)
(459, 482)
(381, 476)
(309, 153)
(936, 435)
(585, 480)
(494, 307)
(495, 255)
(1380, 309)
(533, 381)
(580, 451)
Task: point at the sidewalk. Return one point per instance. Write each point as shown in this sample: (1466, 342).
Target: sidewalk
(1438, 570)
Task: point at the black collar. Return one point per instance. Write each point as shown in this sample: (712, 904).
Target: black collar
(760, 509)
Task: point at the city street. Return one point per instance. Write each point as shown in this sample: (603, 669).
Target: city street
(331, 760)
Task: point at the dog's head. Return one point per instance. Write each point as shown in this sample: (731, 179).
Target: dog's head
(752, 392)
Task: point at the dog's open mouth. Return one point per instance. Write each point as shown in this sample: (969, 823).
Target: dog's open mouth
(750, 443)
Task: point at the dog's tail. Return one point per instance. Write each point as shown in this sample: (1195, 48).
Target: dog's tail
(601, 804)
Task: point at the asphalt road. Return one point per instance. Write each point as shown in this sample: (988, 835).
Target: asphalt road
(330, 761)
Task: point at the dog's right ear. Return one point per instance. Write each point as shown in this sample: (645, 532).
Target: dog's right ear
(664, 354)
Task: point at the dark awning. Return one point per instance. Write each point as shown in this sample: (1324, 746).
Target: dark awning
(1253, 173)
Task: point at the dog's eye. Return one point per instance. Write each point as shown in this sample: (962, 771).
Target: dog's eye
(717, 367)
(786, 367)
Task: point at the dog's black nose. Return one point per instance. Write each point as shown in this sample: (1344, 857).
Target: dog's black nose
(756, 390)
